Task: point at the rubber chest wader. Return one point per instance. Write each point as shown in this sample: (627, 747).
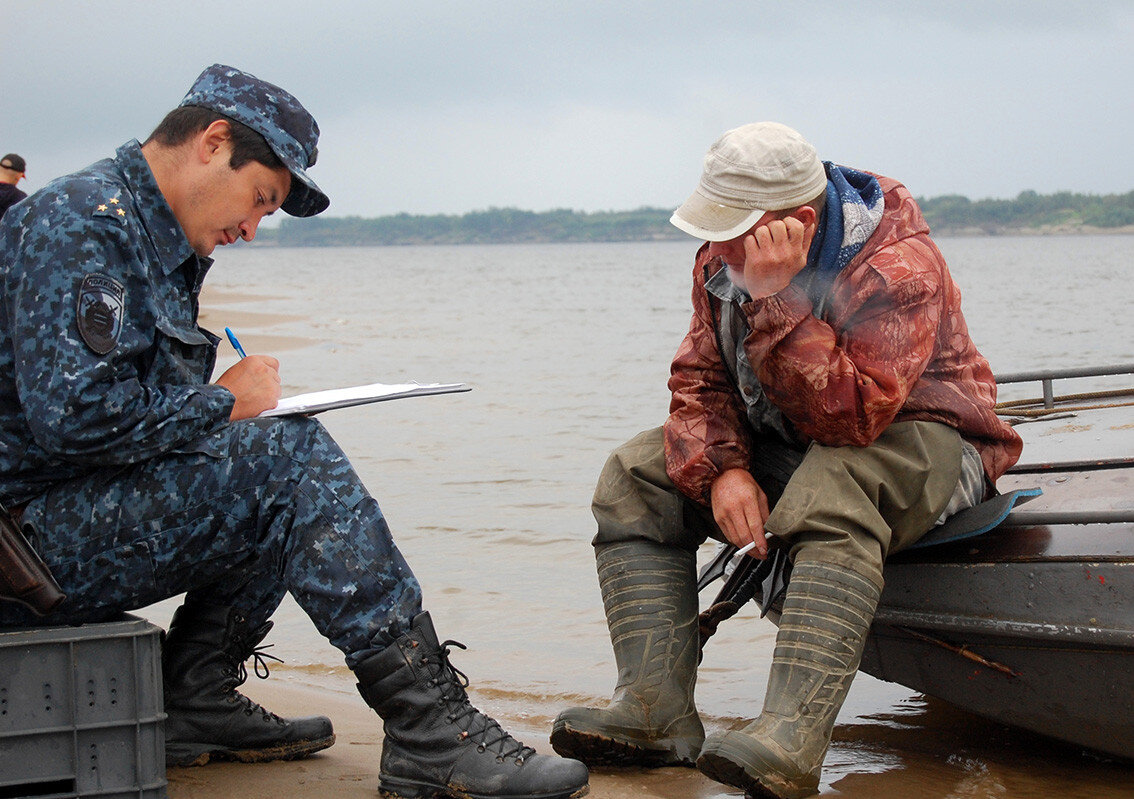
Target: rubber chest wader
(845, 509)
(649, 593)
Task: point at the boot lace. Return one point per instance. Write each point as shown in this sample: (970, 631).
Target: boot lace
(238, 673)
(260, 660)
(477, 727)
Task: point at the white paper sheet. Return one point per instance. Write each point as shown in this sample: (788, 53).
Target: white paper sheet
(317, 401)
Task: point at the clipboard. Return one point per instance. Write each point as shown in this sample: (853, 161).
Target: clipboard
(319, 401)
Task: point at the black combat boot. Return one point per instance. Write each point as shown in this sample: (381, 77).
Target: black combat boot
(438, 744)
(202, 664)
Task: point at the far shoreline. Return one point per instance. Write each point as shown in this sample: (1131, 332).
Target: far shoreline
(962, 232)
(1046, 230)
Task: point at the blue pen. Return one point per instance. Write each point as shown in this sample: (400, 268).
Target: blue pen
(235, 344)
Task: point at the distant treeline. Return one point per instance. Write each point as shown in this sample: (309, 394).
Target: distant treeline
(494, 226)
(1029, 212)
(1060, 212)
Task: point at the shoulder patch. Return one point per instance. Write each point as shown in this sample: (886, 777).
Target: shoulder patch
(101, 303)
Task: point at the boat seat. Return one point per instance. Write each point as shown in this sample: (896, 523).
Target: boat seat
(976, 520)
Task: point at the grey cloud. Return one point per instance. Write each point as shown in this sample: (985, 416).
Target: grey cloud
(453, 106)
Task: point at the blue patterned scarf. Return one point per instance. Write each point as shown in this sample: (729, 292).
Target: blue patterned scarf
(850, 217)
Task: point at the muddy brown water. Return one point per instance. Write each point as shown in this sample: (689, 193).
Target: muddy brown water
(567, 348)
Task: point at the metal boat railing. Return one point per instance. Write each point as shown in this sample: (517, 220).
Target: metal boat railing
(1069, 404)
(1047, 378)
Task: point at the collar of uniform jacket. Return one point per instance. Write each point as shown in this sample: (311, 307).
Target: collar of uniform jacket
(153, 211)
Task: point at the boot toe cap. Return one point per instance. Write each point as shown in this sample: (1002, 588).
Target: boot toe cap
(550, 776)
(743, 761)
(308, 728)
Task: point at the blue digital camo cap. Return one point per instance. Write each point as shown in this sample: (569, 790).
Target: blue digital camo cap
(275, 114)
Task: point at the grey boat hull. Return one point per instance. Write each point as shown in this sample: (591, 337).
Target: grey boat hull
(1043, 645)
(1030, 624)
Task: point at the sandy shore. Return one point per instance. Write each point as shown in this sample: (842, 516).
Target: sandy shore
(349, 769)
(253, 327)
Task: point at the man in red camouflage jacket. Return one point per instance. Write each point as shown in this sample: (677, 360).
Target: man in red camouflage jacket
(828, 395)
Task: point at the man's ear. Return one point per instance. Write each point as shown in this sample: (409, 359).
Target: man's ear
(213, 140)
(805, 214)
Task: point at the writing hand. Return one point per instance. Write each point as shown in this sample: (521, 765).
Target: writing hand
(774, 254)
(255, 382)
(740, 508)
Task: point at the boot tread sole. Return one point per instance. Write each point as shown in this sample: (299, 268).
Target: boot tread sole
(722, 769)
(596, 749)
(199, 754)
(394, 788)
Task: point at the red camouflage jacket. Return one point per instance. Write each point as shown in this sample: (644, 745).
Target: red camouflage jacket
(892, 345)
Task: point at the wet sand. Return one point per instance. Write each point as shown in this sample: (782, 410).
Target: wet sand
(253, 328)
(349, 769)
(925, 749)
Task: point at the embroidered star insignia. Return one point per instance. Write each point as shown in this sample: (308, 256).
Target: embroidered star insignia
(102, 207)
(121, 212)
(114, 201)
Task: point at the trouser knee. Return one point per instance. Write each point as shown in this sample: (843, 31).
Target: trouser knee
(635, 499)
(861, 503)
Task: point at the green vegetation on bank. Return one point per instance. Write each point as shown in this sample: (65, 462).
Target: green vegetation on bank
(494, 226)
(1030, 212)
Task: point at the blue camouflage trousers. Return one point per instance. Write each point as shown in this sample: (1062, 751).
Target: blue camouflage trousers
(236, 518)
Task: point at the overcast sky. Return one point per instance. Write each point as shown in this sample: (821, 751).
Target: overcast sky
(448, 107)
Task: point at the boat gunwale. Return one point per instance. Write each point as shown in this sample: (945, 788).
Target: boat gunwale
(1096, 637)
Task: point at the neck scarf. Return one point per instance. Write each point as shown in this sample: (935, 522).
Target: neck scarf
(851, 215)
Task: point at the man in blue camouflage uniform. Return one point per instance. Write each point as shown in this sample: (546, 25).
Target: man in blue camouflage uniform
(137, 479)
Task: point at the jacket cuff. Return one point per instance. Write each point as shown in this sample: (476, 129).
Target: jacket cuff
(787, 305)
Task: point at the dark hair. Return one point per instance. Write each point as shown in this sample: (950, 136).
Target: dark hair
(181, 124)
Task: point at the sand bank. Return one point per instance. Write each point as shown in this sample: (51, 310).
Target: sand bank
(253, 327)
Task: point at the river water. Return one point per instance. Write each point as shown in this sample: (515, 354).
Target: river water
(567, 348)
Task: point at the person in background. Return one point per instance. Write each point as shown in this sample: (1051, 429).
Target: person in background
(828, 394)
(138, 479)
(13, 169)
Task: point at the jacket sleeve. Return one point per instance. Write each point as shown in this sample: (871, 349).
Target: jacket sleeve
(842, 381)
(706, 432)
(81, 406)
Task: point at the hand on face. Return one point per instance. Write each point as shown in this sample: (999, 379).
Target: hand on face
(774, 253)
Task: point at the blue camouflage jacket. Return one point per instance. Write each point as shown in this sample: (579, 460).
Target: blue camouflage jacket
(102, 363)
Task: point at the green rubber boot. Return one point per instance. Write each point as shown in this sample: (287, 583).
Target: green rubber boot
(827, 614)
(649, 592)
